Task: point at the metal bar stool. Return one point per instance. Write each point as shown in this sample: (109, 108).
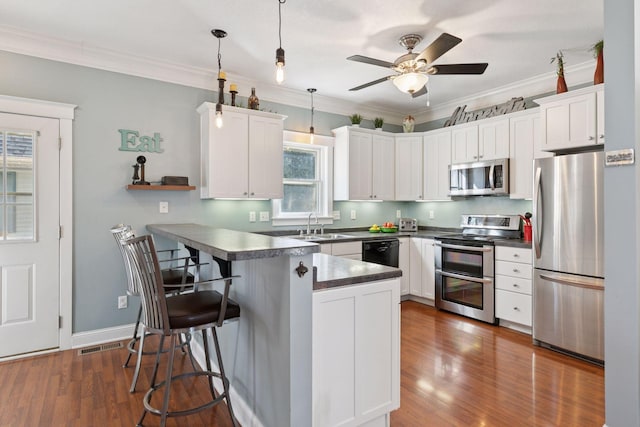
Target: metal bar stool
(179, 314)
(176, 279)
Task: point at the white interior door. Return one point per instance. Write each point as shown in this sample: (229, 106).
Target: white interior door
(29, 241)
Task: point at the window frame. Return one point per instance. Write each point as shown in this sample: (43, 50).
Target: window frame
(324, 146)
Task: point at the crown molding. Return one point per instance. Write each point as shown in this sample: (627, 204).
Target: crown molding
(25, 43)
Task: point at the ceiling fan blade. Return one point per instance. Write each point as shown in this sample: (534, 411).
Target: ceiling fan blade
(375, 82)
(439, 47)
(477, 68)
(372, 61)
(420, 92)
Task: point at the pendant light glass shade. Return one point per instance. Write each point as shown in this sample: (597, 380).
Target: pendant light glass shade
(410, 82)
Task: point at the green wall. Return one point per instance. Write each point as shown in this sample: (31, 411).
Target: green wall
(109, 101)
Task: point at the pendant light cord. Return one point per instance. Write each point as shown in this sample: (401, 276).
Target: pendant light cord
(280, 2)
(312, 110)
(219, 57)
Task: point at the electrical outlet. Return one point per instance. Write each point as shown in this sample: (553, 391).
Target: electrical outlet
(164, 207)
(431, 215)
(122, 301)
(252, 216)
(398, 213)
(336, 214)
(353, 214)
(264, 216)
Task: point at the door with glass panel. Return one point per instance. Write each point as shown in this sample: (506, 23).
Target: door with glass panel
(29, 234)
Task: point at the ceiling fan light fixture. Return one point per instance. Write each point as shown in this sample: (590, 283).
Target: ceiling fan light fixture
(410, 82)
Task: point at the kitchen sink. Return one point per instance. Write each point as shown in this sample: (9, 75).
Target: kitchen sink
(316, 237)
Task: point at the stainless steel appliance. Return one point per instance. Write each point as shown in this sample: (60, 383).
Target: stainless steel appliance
(407, 224)
(568, 240)
(465, 265)
(385, 252)
(485, 178)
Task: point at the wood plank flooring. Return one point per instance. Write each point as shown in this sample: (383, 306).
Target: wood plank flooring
(455, 372)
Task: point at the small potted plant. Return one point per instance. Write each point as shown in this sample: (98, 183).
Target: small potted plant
(561, 85)
(598, 76)
(355, 119)
(378, 122)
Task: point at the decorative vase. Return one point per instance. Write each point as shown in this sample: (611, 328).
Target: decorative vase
(254, 102)
(408, 124)
(561, 86)
(598, 76)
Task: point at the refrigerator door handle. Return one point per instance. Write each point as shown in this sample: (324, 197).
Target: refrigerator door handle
(596, 284)
(537, 237)
(492, 181)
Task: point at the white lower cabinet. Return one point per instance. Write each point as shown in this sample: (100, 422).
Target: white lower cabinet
(513, 285)
(404, 264)
(356, 354)
(351, 250)
(422, 268)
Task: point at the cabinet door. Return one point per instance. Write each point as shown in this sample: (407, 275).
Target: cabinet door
(600, 116)
(415, 261)
(265, 158)
(360, 162)
(437, 158)
(569, 123)
(224, 151)
(464, 144)
(409, 168)
(493, 139)
(523, 133)
(428, 269)
(404, 264)
(383, 167)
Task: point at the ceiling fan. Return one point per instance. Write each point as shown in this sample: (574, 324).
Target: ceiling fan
(413, 69)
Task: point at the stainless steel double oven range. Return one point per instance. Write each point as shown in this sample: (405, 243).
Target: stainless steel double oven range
(465, 265)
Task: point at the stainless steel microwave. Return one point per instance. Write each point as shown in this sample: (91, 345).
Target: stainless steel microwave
(486, 178)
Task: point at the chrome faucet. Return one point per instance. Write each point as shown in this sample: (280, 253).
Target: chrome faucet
(309, 221)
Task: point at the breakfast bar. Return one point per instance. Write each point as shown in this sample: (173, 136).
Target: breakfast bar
(287, 355)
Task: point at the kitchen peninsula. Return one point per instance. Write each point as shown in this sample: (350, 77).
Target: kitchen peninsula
(301, 351)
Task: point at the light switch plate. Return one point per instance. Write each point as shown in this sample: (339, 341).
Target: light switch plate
(353, 214)
(398, 213)
(252, 216)
(264, 216)
(431, 215)
(164, 207)
(122, 301)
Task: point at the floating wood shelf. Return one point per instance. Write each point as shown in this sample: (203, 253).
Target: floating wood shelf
(161, 187)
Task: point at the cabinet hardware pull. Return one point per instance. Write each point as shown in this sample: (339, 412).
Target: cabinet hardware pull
(515, 285)
(516, 256)
(601, 136)
(591, 138)
(516, 308)
(515, 270)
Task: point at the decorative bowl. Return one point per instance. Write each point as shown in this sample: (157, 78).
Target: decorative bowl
(389, 229)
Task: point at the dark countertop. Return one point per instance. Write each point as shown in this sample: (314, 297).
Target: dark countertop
(514, 243)
(230, 245)
(332, 271)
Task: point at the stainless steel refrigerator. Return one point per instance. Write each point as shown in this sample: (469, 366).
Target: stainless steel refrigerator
(568, 242)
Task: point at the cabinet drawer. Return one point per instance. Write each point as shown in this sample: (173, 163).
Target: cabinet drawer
(506, 253)
(513, 284)
(513, 307)
(347, 248)
(514, 269)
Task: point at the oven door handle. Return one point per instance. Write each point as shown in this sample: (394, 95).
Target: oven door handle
(464, 248)
(463, 277)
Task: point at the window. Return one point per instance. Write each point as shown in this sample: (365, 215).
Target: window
(16, 185)
(306, 179)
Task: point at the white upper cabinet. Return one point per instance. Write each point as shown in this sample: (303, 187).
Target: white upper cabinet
(364, 164)
(523, 133)
(243, 158)
(409, 168)
(572, 119)
(437, 157)
(464, 143)
(493, 138)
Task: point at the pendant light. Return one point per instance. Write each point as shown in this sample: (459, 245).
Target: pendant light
(280, 50)
(311, 129)
(222, 76)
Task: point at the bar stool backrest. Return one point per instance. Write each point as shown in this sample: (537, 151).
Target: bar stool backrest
(121, 233)
(143, 260)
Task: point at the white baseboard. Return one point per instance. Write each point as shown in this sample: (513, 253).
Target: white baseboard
(99, 336)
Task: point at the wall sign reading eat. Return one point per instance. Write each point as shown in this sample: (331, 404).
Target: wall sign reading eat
(130, 140)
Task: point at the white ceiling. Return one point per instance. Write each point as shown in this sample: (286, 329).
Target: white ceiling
(516, 37)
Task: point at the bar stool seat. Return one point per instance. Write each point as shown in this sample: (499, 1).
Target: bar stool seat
(200, 308)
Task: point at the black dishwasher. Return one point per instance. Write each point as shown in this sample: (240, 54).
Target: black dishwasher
(383, 252)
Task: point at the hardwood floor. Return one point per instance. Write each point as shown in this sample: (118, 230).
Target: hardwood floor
(455, 372)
